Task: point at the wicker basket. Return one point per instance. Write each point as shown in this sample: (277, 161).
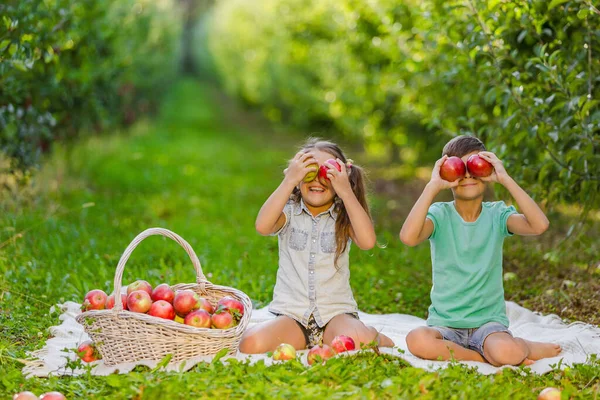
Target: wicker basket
(124, 336)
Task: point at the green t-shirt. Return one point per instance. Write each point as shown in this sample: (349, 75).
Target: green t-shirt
(466, 257)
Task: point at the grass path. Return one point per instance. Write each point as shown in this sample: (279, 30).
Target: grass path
(192, 173)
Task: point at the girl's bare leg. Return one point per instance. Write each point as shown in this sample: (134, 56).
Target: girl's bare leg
(268, 335)
(345, 324)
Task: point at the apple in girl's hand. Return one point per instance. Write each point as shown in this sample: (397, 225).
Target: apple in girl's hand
(94, 300)
(478, 167)
(319, 353)
(206, 306)
(323, 169)
(199, 319)
(232, 304)
(284, 352)
(549, 393)
(163, 292)
(222, 319)
(25, 396)
(140, 285)
(185, 302)
(452, 169)
(110, 301)
(88, 352)
(311, 175)
(342, 343)
(53, 396)
(139, 301)
(162, 309)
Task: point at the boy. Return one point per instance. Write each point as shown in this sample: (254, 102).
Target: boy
(467, 317)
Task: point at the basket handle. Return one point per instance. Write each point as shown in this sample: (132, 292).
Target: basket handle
(200, 278)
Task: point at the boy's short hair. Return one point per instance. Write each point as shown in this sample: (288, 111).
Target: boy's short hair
(462, 145)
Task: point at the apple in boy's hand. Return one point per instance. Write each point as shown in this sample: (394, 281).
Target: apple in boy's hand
(110, 301)
(163, 292)
(199, 319)
(342, 343)
(88, 352)
(319, 354)
(140, 285)
(549, 393)
(185, 302)
(139, 301)
(284, 352)
(162, 309)
(25, 396)
(452, 169)
(53, 396)
(478, 167)
(323, 169)
(311, 175)
(94, 300)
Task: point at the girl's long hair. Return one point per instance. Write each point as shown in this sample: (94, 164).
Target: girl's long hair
(357, 179)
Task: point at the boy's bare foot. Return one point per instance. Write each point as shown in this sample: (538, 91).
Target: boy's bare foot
(539, 350)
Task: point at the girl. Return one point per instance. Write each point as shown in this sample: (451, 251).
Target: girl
(315, 223)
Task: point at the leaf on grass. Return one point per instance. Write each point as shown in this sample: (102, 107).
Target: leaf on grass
(222, 353)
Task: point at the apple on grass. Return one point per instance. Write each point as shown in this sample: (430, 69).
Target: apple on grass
(323, 169)
(222, 318)
(479, 167)
(284, 352)
(452, 169)
(53, 396)
(199, 319)
(88, 352)
(549, 393)
(25, 396)
(342, 343)
(110, 301)
(162, 309)
(140, 285)
(163, 292)
(319, 354)
(139, 301)
(185, 302)
(94, 300)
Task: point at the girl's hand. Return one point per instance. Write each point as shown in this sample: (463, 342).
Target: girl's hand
(299, 167)
(339, 179)
(499, 174)
(437, 181)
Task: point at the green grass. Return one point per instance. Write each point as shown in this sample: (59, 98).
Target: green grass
(194, 172)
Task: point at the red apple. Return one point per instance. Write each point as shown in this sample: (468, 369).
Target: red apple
(140, 285)
(185, 302)
(452, 169)
(163, 292)
(478, 167)
(139, 301)
(94, 300)
(88, 352)
(206, 306)
(549, 393)
(25, 396)
(110, 301)
(234, 306)
(323, 169)
(222, 319)
(342, 343)
(199, 319)
(162, 309)
(53, 396)
(311, 175)
(319, 354)
(284, 352)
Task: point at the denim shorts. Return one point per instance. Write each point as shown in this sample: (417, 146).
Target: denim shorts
(313, 333)
(471, 338)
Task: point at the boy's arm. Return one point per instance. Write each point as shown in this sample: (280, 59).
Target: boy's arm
(417, 227)
(271, 217)
(532, 221)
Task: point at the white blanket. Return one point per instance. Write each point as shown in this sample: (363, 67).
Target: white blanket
(578, 341)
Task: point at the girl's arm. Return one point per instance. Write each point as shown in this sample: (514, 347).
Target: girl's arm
(532, 221)
(271, 217)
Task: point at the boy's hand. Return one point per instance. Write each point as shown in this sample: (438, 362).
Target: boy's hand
(339, 179)
(499, 174)
(298, 167)
(436, 179)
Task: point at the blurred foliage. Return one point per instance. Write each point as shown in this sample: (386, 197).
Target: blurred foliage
(403, 77)
(71, 68)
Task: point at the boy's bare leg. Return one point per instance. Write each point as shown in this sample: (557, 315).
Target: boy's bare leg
(539, 350)
(500, 348)
(268, 335)
(428, 343)
(345, 324)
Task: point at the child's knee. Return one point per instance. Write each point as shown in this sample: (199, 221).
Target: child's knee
(506, 352)
(251, 344)
(417, 339)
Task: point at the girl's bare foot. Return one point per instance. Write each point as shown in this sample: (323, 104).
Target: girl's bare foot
(539, 350)
(527, 362)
